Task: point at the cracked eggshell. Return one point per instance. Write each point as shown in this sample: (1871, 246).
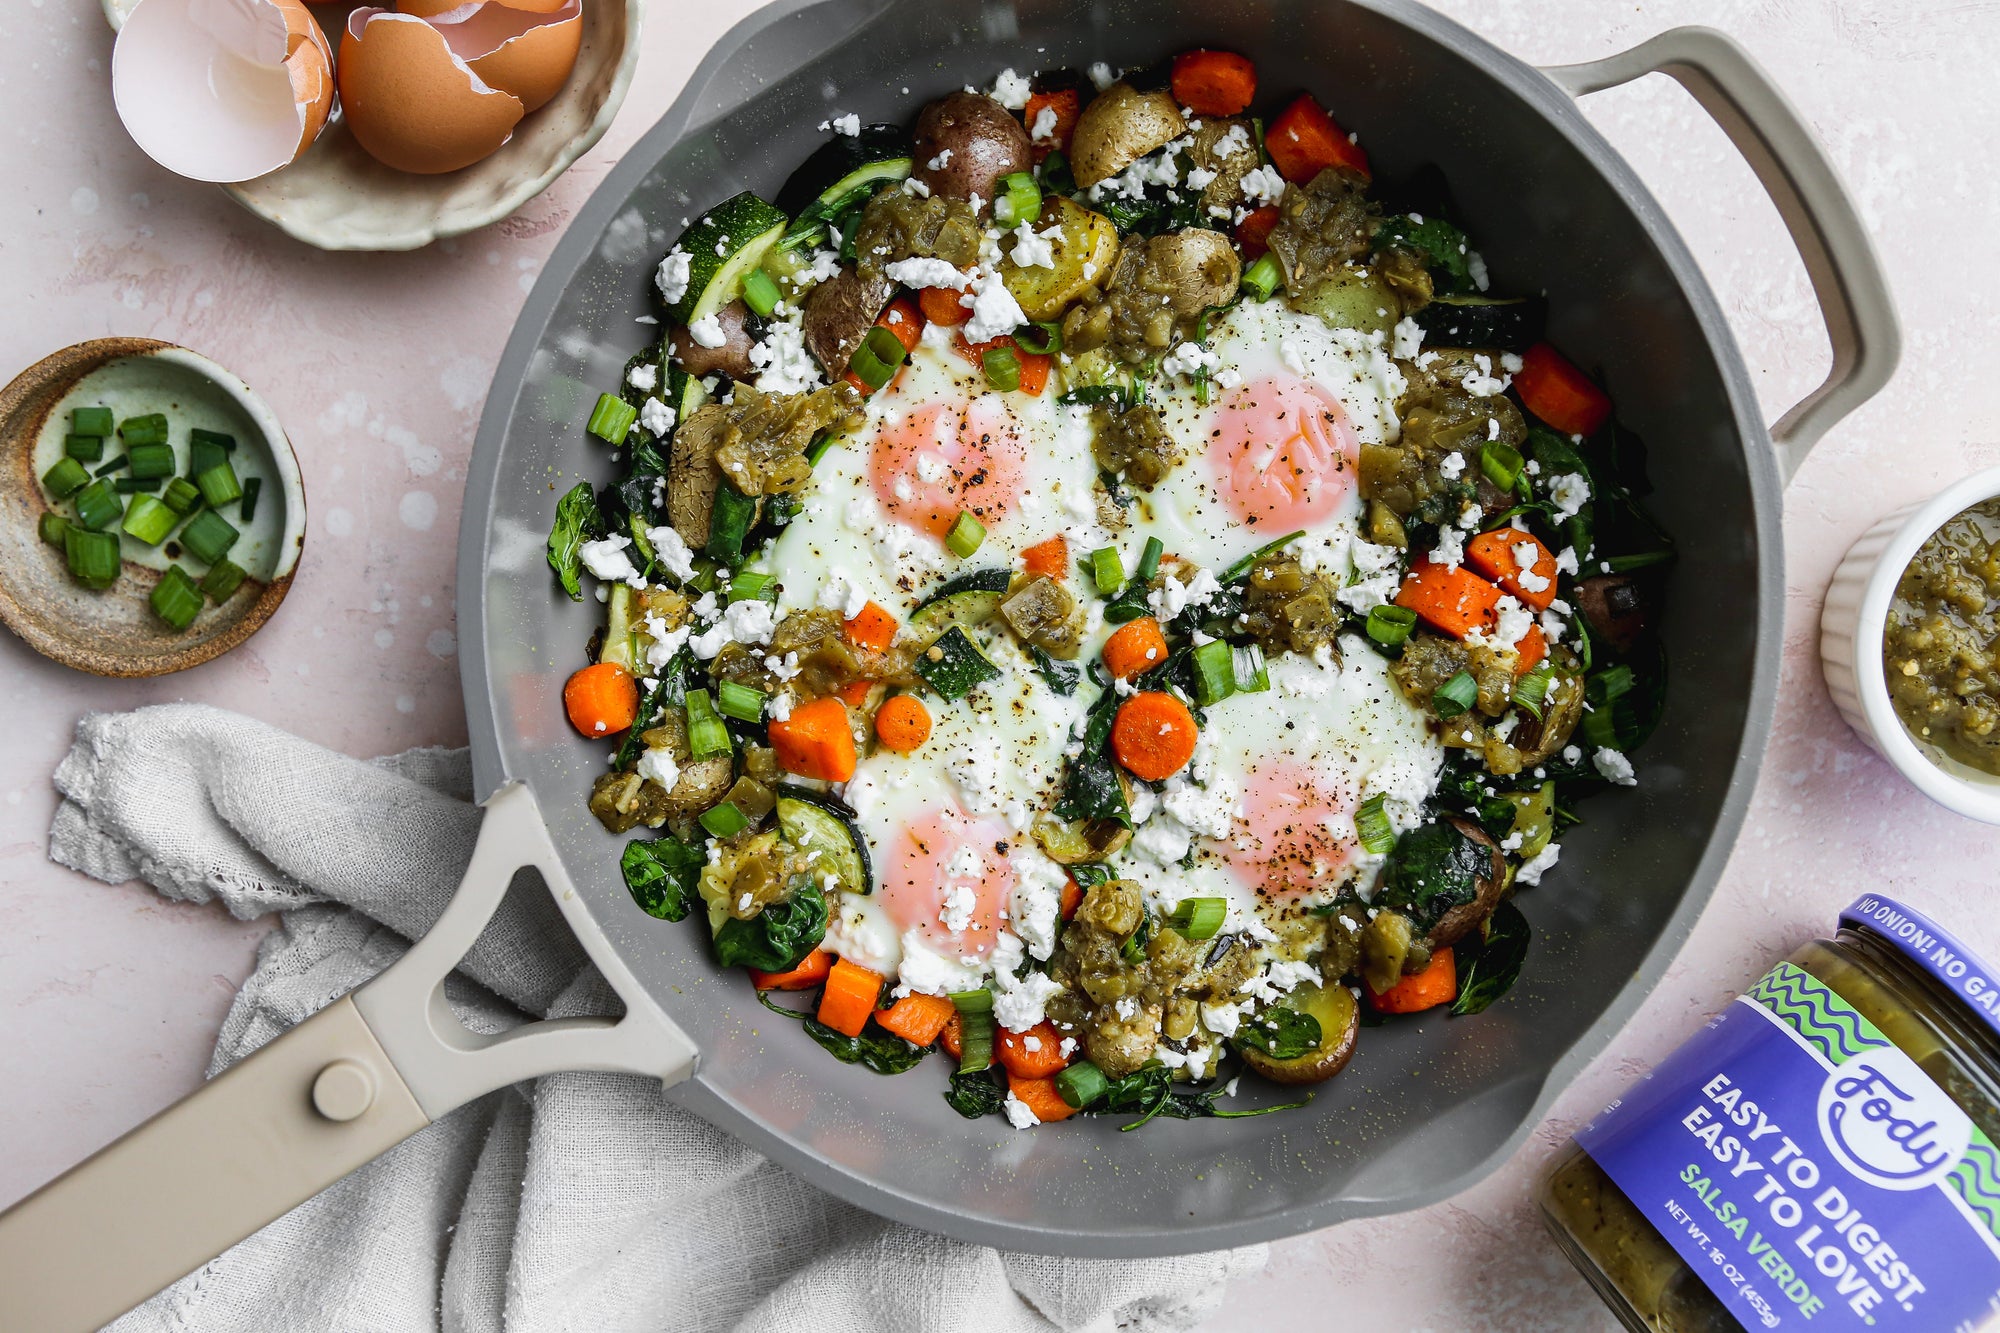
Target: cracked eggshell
(222, 90)
(412, 103)
(528, 53)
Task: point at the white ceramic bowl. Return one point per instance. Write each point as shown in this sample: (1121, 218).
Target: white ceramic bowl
(1850, 647)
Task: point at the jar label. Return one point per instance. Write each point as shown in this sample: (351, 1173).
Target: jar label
(1809, 1171)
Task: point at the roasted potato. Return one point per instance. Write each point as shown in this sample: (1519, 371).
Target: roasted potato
(1201, 267)
(838, 314)
(965, 142)
(1454, 925)
(1120, 126)
(1085, 250)
(1339, 1018)
(1224, 191)
(1619, 608)
(731, 359)
(692, 473)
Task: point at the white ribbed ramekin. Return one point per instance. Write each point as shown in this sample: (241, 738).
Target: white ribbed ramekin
(1850, 646)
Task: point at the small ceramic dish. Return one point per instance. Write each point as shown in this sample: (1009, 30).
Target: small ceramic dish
(1850, 647)
(337, 197)
(114, 632)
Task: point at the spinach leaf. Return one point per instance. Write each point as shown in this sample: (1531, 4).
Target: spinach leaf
(1282, 1034)
(1062, 677)
(1464, 784)
(662, 874)
(1431, 870)
(1487, 968)
(1089, 874)
(1626, 699)
(883, 1052)
(577, 521)
(1150, 1092)
(670, 689)
(976, 1094)
(1090, 783)
(1442, 247)
(776, 938)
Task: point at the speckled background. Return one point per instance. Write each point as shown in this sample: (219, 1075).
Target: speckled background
(379, 365)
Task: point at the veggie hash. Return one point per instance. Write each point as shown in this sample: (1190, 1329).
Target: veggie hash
(1102, 586)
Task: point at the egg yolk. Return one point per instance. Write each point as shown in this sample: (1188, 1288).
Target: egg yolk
(944, 458)
(1297, 829)
(947, 864)
(1284, 453)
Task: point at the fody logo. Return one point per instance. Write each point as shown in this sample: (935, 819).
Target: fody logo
(1888, 1123)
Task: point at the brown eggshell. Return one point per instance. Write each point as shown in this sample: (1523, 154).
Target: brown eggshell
(309, 61)
(410, 103)
(425, 9)
(535, 65)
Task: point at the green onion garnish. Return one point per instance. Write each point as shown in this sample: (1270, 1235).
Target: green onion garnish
(886, 346)
(1501, 462)
(1215, 672)
(1389, 624)
(965, 535)
(1020, 200)
(219, 485)
(1611, 683)
(1003, 369)
(1599, 728)
(252, 488)
(83, 448)
(1107, 571)
(1533, 688)
(52, 526)
(175, 598)
(611, 419)
(115, 465)
(739, 701)
(92, 556)
(1372, 828)
(224, 577)
(150, 461)
(865, 366)
(1252, 677)
(214, 437)
(182, 496)
(149, 520)
(1198, 918)
(1081, 1084)
(65, 479)
(725, 820)
(203, 455)
(1263, 278)
(149, 429)
(975, 1029)
(128, 485)
(1149, 560)
(706, 734)
(1049, 343)
(748, 587)
(90, 421)
(1455, 695)
(208, 536)
(759, 292)
(98, 506)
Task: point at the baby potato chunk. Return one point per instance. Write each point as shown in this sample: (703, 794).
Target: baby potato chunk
(1084, 246)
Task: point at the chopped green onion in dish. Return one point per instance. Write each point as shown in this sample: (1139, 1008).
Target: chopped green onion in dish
(1214, 672)
(1020, 200)
(760, 293)
(1198, 918)
(1501, 462)
(724, 820)
(182, 496)
(65, 479)
(52, 527)
(612, 419)
(128, 485)
(224, 577)
(1263, 278)
(1372, 828)
(98, 506)
(92, 556)
(745, 586)
(1045, 341)
(1390, 625)
(149, 521)
(252, 488)
(1455, 695)
(208, 536)
(219, 485)
(176, 598)
(706, 733)
(1532, 689)
(965, 536)
(975, 1029)
(215, 438)
(1252, 676)
(204, 454)
(95, 421)
(878, 358)
(1002, 367)
(83, 448)
(117, 464)
(740, 701)
(149, 462)
(1107, 571)
(149, 429)
(1081, 1084)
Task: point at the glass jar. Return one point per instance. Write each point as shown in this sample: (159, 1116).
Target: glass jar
(1820, 1155)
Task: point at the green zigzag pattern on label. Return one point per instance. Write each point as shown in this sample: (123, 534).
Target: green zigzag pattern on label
(1816, 1013)
(1976, 1180)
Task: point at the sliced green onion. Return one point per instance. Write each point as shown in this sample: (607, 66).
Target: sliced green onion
(176, 599)
(748, 587)
(1625, 564)
(149, 520)
(759, 292)
(52, 526)
(1501, 462)
(1081, 1084)
(208, 536)
(212, 437)
(1455, 695)
(128, 485)
(724, 820)
(739, 701)
(1372, 828)
(65, 479)
(224, 577)
(1149, 560)
(90, 421)
(1049, 343)
(706, 734)
(92, 556)
(115, 465)
(865, 366)
(1003, 369)
(149, 461)
(1252, 677)
(182, 496)
(219, 485)
(83, 448)
(1107, 571)
(975, 1029)
(1611, 683)
(98, 506)
(1389, 624)
(1020, 200)
(149, 429)
(252, 488)
(1215, 672)
(1198, 918)
(965, 536)
(1532, 689)
(1263, 278)
(1599, 728)
(611, 419)
(203, 455)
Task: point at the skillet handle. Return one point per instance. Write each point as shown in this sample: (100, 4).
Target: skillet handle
(338, 1090)
(1847, 276)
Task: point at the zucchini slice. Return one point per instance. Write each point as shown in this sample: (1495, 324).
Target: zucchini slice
(844, 164)
(723, 245)
(969, 599)
(1510, 324)
(816, 822)
(953, 664)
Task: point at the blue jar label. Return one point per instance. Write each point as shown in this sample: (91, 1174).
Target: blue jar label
(1809, 1171)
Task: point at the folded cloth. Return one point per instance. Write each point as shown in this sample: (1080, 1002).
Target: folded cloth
(584, 1201)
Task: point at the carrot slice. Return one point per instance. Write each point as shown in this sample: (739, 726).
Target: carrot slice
(940, 306)
(1533, 648)
(903, 723)
(816, 741)
(1067, 104)
(1304, 140)
(874, 629)
(849, 998)
(1036, 1053)
(1559, 393)
(855, 693)
(917, 1019)
(1214, 83)
(1049, 559)
(1072, 896)
(1253, 233)
(1153, 735)
(1134, 648)
(812, 970)
(1437, 984)
(1034, 365)
(1041, 1097)
(601, 699)
(1494, 555)
(950, 1040)
(1454, 600)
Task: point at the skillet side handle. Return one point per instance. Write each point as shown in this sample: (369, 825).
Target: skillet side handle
(1846, 273)
(323, 1099)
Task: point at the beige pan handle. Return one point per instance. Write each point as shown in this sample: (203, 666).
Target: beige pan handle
(339, 1089)
(1767, 129)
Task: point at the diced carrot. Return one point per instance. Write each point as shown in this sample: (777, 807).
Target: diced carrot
(918, 1019)
(849, 998)
(1214, 83)
(874, 629)
(855, 693)
(1253, 233)
(1559, 393)
(1493, 554)
(950, 1041)
(903, 723)
(1454, 600)
(816, 741)
(812, 970)
(1533, 648)
(1049, 559)
(601, 699)
(1304, 140)
(1134, 648)
(1437, 984)
(902, 318)
(1041, 1097)
(1153, 735)
(1034, 365)
(1036, 1053)
(1072, 896)
(941, 306)
(1067, 103)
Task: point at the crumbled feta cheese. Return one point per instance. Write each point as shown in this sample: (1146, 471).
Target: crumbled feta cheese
(656, 416)
(1263, 185)
(1511, 625)
(1234, 140)
(1035, 909)
(707, 332)
(1481, 382)
(643, 376)
(1534, 867)
(1019, 1114)
(784, 364)
(658, 765)
(1187, 359)
(849, 125)
(1044, 126)
(1566, 560)
(1101, 76)
(994, 310)
(1409, 339)
(778, 707)
(941, 161)
(1033, 250)
(606, 558)
(924, 272)
(1012, 90)
(1451, 466)
(1614, 767)
(672, 552)
(1019, 1003)
(1475, 265)
(745, 622)
(1571, 492)
(1173, 597)
(841, 593)
(1450, 550)
(672, 276)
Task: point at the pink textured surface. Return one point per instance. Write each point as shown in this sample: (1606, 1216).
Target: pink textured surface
(379, 365)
